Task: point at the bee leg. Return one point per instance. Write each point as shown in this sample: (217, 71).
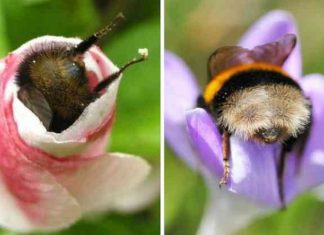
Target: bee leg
(301, 142)
(300, 147)
(281, 170)
(226, 156)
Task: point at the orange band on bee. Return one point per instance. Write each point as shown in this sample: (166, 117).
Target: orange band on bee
(218, 81)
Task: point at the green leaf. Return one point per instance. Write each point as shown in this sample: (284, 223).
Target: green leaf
(3, 36)
(59, 17)
(137, 128)
(185, 197)
(304, 216)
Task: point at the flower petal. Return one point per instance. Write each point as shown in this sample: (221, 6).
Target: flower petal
(319, 192)
(226, 212)
(253, 166)
(270, 28)
(254, 171)
(206, 139)
(31, 199)
(181, 93)
(141, 196)
(312, 163)
(73, 140)
(97, 182)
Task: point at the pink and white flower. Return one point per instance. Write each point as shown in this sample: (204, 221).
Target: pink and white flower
(48, 180)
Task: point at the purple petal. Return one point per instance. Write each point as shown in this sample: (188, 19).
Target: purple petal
(270, 28)
(253, 166)
(254, 171)
(311, 173)
(225, 212)
(206, 139)
(181, 92)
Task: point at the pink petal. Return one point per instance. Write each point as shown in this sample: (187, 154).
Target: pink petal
(181, 93)
(34, 198)
(31, 199)
(270, 28)
(96, 184)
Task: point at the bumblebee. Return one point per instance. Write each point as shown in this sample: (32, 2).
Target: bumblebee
(251, 96)
(53, 81)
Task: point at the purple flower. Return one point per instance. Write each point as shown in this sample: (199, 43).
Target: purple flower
(254, 167)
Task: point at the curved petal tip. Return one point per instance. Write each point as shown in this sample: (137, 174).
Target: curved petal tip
(181, 93)
(270, 28)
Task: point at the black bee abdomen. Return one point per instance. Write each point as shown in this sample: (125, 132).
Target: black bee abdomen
(59, 124)
(201, 102)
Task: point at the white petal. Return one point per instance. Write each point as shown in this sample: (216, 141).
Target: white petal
(141, 196)
(96, 183)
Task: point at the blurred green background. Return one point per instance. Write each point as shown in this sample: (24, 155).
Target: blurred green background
(193, 30)
(138, 103)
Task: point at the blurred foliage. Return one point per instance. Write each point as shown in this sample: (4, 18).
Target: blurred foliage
(193, 30)
(304, 216)
(137, 127)
(138, 100)
(184, 197)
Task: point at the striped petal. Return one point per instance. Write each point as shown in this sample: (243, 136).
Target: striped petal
(31, 198)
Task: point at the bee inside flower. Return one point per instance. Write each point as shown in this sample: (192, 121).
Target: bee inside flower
(256, 126)
(249, 95)
(53, 80)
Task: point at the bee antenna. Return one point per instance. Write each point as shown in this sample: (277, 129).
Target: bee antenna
(88, 42)
(111, 78)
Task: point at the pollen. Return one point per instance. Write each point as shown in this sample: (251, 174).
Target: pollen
(143, 52)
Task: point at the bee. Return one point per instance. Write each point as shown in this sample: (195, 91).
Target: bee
(251, 96)
(53, 81)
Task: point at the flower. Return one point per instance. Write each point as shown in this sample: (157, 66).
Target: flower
(253, 166)
(48, 180)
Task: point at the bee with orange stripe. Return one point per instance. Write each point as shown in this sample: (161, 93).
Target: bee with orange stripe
(250, 95)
